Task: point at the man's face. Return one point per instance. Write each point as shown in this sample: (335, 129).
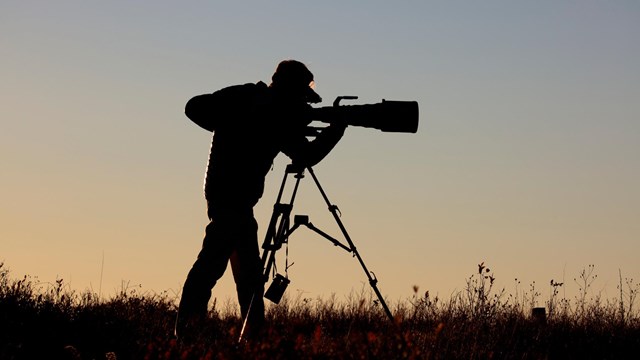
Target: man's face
(311, 95)
(301, 91)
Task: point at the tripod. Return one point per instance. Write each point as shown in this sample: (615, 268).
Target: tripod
(279, 231)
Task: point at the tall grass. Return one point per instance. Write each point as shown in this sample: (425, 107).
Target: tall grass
(50, 321)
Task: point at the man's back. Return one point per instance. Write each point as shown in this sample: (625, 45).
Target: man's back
(251, 126)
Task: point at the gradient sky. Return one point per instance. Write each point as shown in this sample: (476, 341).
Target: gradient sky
(527, 156)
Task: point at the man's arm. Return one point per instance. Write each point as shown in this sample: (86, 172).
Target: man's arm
(210, 110)
(309, 153)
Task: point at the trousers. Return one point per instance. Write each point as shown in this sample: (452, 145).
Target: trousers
(230, 236)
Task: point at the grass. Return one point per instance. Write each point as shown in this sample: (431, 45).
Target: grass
(480, 322)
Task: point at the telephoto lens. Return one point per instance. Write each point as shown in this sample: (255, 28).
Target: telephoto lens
(386, 116)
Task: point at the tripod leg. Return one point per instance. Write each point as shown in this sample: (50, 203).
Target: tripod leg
(246, 318)
(277, 233)
(334, 211)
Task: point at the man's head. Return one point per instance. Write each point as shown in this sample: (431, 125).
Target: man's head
(292, 78)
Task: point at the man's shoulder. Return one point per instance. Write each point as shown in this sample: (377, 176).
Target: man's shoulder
(241, 93)
(246, 88)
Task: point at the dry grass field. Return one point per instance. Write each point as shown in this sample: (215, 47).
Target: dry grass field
(48, 321)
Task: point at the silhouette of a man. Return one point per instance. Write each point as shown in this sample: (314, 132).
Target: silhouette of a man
(251, 124)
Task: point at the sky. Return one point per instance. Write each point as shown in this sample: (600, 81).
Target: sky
(527, 156)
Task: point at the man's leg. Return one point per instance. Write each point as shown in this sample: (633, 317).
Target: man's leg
(209, 267)
(247, 272)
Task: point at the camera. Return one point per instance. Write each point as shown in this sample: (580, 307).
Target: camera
(386, 116)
